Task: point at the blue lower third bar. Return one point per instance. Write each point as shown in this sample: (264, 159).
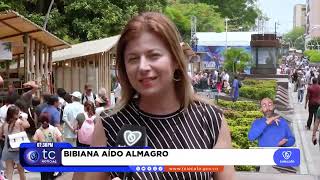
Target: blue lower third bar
(97, 169)
(287, 157)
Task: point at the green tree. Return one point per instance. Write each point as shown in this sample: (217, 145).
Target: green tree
(236, 59)
(82, 20)
(243, 13)
(295, 38)
(208, 19)
(314, 43)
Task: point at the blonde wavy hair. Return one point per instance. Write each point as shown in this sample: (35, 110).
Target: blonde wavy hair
(162, 27)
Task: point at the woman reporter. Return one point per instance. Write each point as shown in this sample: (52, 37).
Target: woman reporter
(157, 94)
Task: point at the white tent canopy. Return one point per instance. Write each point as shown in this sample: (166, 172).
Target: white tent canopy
(219, 39)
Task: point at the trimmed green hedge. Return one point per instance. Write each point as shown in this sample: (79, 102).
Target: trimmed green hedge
(314, 55)
(240, 116)
(258, 89)
(239, 105)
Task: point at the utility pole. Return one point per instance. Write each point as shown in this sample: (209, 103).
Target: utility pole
(275, 27)
(226, 21)
(194, 39)
(47, 16)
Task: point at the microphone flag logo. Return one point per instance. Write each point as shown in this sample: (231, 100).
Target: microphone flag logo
(131, 137)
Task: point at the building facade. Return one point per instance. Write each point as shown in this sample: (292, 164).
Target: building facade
(299, 15)
(90, 62)
(312, 19)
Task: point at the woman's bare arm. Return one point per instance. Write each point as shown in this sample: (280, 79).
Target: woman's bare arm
(224, 142)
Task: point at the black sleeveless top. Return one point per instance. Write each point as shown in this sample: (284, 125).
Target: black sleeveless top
(196, 127)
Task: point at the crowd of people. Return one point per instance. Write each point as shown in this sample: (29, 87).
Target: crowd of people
(305, 79)
(60, 117)
(218, 80)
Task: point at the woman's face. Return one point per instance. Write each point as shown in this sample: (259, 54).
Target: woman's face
(149, 65)
(16, 115)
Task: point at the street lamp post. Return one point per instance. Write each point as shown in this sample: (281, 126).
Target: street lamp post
(275, 27)
(226, 21)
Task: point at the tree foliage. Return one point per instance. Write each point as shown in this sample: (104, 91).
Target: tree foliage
(242, 13)
(207, 18)
(314, 43)
(295, 38)
(313, 55)
(82, 20)
(236, 59)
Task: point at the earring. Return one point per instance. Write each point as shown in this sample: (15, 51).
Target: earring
(177, 75)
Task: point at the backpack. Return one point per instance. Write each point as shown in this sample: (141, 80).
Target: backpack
(31, 119)
(85, 133)
(84, 96)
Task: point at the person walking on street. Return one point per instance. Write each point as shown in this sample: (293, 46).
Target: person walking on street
(301, 84)
(235, 89)
(313, 101)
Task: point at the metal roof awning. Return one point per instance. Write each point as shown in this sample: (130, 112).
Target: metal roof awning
(86, 48)
(13, 26)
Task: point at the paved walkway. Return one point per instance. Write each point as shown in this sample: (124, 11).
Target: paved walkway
(310, 153)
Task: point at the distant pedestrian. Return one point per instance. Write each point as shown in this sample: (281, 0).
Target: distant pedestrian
(12, 90)
(52, 109)
(235, 89)
(88, 95)
(301, 86)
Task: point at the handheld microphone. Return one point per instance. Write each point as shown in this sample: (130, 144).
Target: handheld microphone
(131, 136)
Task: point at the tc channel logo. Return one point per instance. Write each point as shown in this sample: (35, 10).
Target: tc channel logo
(287, 157)
(42, 156)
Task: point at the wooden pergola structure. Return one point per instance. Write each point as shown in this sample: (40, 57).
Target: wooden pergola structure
(89, 62)
(32, 44)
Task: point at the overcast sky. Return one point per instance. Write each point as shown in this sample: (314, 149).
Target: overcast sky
(281, 11)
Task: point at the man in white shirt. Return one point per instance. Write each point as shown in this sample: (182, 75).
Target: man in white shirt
(88, 95)
(69, 117)
(226, 77)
